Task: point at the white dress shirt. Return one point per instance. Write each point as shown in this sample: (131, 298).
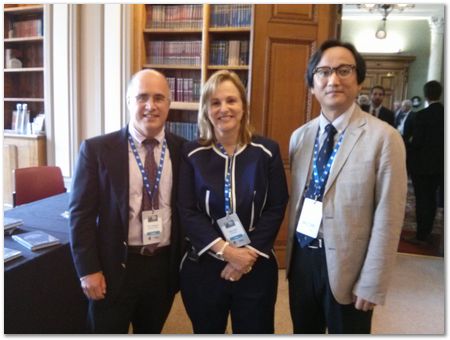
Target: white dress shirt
(136, 189)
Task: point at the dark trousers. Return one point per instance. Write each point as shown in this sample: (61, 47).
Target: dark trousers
(426, 193)
(209, 299)
(144, 299)
(312, 304)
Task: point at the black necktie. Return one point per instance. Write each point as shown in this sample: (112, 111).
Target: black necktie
(321, 163)
(150, 169)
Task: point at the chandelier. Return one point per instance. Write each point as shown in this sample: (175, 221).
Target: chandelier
(385, 10)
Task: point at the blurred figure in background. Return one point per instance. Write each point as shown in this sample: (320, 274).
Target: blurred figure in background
(376, 107)
(363, 100)
(426, 162)
(396, 106)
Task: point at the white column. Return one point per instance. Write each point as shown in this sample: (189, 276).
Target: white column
(62, 88)
(116, 64)
(437, 28)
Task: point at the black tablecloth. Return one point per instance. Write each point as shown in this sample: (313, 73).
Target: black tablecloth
(42, 292)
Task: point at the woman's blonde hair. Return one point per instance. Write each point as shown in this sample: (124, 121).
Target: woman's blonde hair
(206, 129)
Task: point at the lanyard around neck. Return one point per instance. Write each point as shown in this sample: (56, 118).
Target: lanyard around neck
(228, 188)
(147, 183)
(319, 182)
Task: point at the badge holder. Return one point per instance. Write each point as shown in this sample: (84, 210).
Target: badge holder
(310, 218)
(151, 227)
(233, 230)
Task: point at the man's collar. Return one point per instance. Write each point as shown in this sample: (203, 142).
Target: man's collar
(340, 123)
(139, 137)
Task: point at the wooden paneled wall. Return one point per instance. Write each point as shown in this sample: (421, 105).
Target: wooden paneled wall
(285, 36)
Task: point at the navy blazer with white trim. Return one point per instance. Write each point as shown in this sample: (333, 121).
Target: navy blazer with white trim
(259, 192)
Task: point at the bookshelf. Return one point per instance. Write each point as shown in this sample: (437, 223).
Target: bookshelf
(23, 74)
(188, 43)
(24, 60)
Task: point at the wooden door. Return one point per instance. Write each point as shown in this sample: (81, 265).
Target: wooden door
(389, 71)
(285, 36)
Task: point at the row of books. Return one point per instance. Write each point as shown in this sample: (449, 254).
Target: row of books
(184, 89)
(229, 52)
(231, 15)
(186, 130)
(175, 52)
(174, 16)
(25, 28)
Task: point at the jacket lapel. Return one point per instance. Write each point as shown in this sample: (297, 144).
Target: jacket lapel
(117, 163)
(175, 159)
(304, 155)
(352, 134)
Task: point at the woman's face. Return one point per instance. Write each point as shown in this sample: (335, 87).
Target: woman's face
(226, 109)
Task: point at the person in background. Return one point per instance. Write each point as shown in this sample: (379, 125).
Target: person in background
(404, 120)
(125, 238)
(404, 117)
(396, 106)
(426, 163)
(348, 196)
(376, 107)
(363, 100)
(231, 203)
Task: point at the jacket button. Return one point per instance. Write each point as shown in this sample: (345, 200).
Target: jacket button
(125, 243)
(123, 265)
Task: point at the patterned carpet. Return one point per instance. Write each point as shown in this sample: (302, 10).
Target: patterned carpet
(436, 246)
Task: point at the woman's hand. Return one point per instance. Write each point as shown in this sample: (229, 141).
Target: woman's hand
(242, 259)
(230, 273)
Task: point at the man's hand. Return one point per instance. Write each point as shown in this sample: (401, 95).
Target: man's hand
(362, 304)
(94, 286)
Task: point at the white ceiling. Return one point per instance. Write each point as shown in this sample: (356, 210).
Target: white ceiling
(420, 11)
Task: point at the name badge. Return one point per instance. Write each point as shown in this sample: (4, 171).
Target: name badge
(151, 226)
(310, 218)
(233, 230)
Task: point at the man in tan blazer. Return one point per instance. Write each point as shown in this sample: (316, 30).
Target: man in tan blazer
(347, 209)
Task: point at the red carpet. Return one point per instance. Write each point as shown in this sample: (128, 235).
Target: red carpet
(432, 249)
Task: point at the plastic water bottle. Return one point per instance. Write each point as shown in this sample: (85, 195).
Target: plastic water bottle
(16, 118)
(26, 128)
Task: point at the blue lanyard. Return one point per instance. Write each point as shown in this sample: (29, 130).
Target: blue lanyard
(227, 187)
(319, 182)
(142, 169)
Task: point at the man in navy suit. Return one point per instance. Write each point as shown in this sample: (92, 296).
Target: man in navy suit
(376, 108)
(426, 160)
(127, 277)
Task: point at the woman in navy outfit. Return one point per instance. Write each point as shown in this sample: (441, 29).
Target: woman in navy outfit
(232, 199)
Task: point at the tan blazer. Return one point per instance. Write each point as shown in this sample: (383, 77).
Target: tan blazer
(363, 204)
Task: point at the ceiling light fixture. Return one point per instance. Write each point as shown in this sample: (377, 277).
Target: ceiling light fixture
(384, 9)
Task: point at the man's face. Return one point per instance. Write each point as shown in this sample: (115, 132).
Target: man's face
(336, 93)
(406, 107)
(148, 102)
(377, 96)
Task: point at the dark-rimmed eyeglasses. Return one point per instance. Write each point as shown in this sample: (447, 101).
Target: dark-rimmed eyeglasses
(342, 71)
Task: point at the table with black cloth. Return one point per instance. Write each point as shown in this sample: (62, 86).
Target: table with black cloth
(42, 292)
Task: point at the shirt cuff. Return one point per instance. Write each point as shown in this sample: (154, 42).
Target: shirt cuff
(209, 246)
(258, 252)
